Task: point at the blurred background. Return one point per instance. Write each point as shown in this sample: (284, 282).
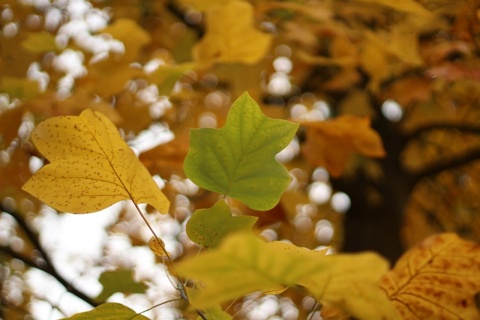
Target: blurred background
(408, 71)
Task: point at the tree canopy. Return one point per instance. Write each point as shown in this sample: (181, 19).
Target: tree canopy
(250, 159)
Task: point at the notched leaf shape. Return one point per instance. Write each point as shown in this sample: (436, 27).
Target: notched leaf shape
(330, 143)
(108, 311)
(238, 160)
(208, 227)
(244, 264)
(119, 281)
(231, 36)
(437, 279)
(91, 166)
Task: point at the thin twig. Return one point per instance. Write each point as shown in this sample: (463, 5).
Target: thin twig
(181, 288)
(449, 163)
(463, 127)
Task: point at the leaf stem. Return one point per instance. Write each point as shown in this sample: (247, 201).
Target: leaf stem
(181, 288)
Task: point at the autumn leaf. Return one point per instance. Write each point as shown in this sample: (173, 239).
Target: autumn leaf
(40, 42)
(119, 281)
(166, 76)
(208, 227)
(330, 143)
(351, 282)
(108, 76)
(438, 279)
(240, 156)
(91, 166)
(131, 35)
(108, 311)
(216, 313)
(10, 121)
(157, 246)
(244, 264)
(231, 36)
(20, 88)
(167, 158)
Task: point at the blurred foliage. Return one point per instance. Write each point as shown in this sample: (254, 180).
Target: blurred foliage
(406, 71)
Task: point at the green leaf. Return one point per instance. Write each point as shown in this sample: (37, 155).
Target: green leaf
(243, 264)
(109, 311)
(119, 281)
(208, 227)
(351, 282)
(238, 160)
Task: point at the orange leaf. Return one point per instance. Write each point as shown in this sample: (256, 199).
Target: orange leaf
(438, 279)
(331, 143)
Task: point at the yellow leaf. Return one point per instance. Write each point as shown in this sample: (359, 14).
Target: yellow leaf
(438, 279)
(20, 88)
(131, 35)
(157, 246)
(91, 166)
(244, 264)
(40, 42)
(373, 59)
(231, 36)
(351, 283)
(330, 143)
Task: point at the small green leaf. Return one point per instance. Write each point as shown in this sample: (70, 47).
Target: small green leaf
(119, 281)
(238, 160)
(109, 311)
(208, 227)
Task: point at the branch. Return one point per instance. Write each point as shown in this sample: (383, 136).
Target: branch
(45, 264)
(464, 127)
(175, 8)
(449, 163)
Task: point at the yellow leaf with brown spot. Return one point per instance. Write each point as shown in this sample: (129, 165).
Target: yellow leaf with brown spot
(438, 279)
(231, 36)
(157, 246)
(91, 166)
(330, 143)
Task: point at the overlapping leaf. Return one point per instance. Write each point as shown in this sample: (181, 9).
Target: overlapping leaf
(231, 36)
(331, 143)
(351, 282)
(208, 227)
(240, 156)
(438, 279)
(243, 264)
(91, 166)
(108, 311)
